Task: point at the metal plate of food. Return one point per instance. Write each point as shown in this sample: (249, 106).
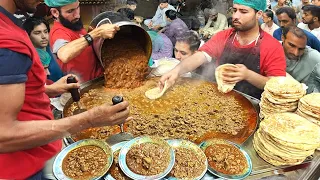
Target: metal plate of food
(192, 109)
(190, 161)
(226, 159)
(146, 158)
(85, 159)
(115, 172)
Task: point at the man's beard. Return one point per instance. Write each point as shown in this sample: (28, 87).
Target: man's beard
(306, 22)
(77, 26)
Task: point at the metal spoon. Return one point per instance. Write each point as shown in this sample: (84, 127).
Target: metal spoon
(122, 136)
(75, 96)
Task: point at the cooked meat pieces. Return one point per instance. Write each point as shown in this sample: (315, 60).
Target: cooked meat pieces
(226, 159)
(126, 65)
(188, 110)
(148, 158)
(84, 162)
(187, 164)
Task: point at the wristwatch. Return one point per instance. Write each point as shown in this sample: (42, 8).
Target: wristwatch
(89, 39)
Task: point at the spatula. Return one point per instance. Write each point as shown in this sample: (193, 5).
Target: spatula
(122, 136)
(75, 96)
(155, 93)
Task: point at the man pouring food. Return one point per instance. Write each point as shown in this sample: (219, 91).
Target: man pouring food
(255, 55)
(72, 44)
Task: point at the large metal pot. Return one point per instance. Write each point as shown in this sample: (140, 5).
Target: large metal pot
(128, 30)
(245, 100)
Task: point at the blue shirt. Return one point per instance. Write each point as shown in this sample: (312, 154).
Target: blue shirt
(312, 40)
(14, 66)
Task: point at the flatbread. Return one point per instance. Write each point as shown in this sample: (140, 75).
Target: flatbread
(223, 87)
(291, 129)
(156, 93)
(284, 85)
(312, 100)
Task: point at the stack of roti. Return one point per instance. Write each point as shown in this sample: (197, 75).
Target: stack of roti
(281, 94)
(286, 139)
(223, 87)
(309, 107)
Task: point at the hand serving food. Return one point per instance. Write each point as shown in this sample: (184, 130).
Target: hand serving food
(156, 93)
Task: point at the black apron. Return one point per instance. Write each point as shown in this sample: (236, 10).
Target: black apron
(250, 57)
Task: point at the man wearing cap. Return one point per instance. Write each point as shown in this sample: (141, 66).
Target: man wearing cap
(71, 43)
(256, 54)
(216, 23)
(29, 136)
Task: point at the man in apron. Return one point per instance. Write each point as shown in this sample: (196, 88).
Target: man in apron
(257, 55)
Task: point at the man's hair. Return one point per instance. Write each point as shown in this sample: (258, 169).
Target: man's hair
(32, 22)
(269, 13)
(132, 2)
(289, 11)
(191, 38)
(127, 12)
(294, 30)
(314, 10)
(163, 1)
(171, 14)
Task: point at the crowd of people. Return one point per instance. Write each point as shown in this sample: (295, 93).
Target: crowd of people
(36, 60)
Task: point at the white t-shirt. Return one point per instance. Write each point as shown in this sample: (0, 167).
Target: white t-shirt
(268, 29)
(315, 31)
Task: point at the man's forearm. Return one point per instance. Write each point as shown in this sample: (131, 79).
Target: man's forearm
(257, 80)
(74, 48)
(30, 134)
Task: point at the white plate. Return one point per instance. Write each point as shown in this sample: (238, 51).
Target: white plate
(57, 165)
(137, 141)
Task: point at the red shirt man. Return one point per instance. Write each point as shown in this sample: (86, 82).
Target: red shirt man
(85, 65)
(29, 135)
(72, 44)
(256, 55)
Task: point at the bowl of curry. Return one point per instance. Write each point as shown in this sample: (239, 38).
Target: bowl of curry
(190, 161)
(226, 159)
(85, 159)
(115, 172)
(146, 158)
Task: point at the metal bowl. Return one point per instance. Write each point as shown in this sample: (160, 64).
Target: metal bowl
(176, 143)
(204, 145)
(137, 141)
(57, 165)
(115, 148)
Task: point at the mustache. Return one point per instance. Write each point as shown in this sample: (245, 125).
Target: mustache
(236, 21)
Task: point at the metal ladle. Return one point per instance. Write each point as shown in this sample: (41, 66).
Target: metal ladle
(75, 96)
(122, 136)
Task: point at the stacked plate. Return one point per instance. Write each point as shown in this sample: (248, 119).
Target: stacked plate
(309, 107)
(286, 139)
(281, 94)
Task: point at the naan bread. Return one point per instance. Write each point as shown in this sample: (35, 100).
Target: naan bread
(223, 87)
(155, 93)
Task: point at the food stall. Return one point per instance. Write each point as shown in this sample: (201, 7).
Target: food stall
(192, 110)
